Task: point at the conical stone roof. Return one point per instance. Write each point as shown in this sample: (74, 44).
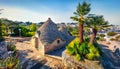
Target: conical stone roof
(65, 34)
(48, 32)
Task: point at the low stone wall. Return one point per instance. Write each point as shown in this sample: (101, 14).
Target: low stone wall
(71, 62)
(3, 50)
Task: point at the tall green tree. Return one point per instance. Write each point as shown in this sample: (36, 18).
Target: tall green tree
(96, 22)
(82, 10)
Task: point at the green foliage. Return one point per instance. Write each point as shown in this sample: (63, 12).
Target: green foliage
(71, 50)
(111, 33)
(82, 9)
(25, 31)
(97, 22)
(94, 52)
(29, 34)
(86, 38)
(102, 35)
(11, 47)
(84, 50)
(10, 63)
(33, 27)
(73, 30)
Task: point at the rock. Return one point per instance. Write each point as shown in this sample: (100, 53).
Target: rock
(3, 50)
(117, 52)
(106, 63)
(71, 62)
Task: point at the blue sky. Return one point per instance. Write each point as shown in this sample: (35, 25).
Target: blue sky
(57, 10)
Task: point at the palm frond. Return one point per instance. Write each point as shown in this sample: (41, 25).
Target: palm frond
(75, 18)
(97, 22)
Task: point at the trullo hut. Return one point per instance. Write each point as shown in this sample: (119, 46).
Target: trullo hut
(49, 38)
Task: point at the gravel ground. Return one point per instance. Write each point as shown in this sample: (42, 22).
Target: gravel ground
(30, 56)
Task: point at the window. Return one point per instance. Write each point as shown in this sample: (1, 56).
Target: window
(58, 41)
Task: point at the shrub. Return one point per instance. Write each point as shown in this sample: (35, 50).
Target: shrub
(117, 37)
(12, 48)
(111, 33)
(73, 30)
(29, 34)
(100, 39)
(10, 63)
(25, 32)
(102, 35)
(80, 50)
(84, 50)
(94, 52)
(112, 39)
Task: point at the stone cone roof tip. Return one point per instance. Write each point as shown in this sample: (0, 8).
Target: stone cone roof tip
(47, 23)
(49, 18)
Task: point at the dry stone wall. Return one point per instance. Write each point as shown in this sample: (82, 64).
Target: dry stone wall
(3, 50)
(71, 62)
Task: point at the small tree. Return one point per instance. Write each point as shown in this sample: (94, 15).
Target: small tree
(33, 27)
(82, 10)
(96, 22)
(111, 33)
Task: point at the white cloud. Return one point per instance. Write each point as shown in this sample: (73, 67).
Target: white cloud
(20, 14)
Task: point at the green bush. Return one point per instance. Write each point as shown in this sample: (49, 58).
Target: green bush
(29, 34)
(111, 33)
(94, 53)
(10, 63)
(102, 35)
(25, 32)
(12, 48)
(84, 50)
(73, 30)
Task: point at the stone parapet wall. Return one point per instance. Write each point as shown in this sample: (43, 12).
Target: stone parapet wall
(3, 50)
(71, 62)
